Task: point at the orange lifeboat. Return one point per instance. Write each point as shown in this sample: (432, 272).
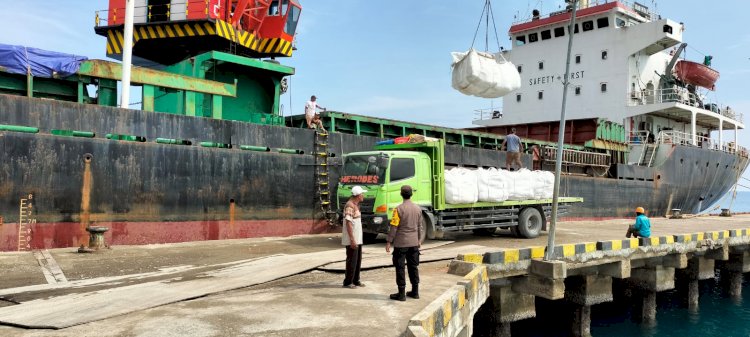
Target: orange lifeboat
(696, 74)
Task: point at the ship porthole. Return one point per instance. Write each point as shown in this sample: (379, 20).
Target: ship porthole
(87, 157)
(717, 165)
(682, 161)
(658, 177)
(231, 201)
(726, 167)
(707, 164)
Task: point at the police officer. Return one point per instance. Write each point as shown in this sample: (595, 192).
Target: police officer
(404, 236)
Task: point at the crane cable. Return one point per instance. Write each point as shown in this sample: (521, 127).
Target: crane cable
(486, 13)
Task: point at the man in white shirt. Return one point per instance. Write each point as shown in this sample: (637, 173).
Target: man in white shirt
(311, 114)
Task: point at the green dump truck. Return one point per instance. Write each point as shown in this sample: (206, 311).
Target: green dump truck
(383, 171)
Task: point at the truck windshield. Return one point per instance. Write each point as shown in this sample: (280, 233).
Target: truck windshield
(364, 169)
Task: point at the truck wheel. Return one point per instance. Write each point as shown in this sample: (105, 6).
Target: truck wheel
(530, 222)
(423, 230)
(369, 237)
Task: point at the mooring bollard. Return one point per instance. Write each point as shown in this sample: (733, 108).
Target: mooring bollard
(676, 213)
(96, 239)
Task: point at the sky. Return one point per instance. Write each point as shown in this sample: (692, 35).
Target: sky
(391, 58)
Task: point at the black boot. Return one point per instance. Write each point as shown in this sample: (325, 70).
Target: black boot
(414, 293)
(400, 296)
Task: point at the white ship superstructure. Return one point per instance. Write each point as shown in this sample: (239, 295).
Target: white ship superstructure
(623, 57)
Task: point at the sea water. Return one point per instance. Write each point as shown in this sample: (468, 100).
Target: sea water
(718, 314)
(741, 203)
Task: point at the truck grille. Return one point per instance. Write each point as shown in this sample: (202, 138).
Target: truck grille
(365, 207)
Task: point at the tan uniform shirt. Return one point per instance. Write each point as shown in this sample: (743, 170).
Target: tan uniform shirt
(351, 213)
(406, 226)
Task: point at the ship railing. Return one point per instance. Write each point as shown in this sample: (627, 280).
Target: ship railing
(486, 114)
(657, 96)
(683, 138)
(177, 10)
(575, 157)
(639, 137)
(637, 7)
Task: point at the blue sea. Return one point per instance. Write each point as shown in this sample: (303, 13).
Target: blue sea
(717, 315)
(741, 202)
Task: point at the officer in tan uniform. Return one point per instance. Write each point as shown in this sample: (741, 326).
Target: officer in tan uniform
(404, 236)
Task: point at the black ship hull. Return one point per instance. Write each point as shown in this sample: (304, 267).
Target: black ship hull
(147, 192)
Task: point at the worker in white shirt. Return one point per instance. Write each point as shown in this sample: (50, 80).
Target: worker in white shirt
(311, 114)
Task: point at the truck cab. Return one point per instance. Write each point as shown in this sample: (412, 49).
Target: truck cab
(382, 173)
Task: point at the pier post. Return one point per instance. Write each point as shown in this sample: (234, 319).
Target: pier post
(650, 280)
(731, 272)
(693, 295)
(647, 307)
(581, 326)
(583, 291)
(733, 283)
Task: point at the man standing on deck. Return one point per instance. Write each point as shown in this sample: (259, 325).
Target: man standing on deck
(642, 226)
(311, 114)
(351, 238)
(513, 155)
(404, 235)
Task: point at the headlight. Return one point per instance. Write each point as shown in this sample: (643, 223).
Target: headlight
(377, 220)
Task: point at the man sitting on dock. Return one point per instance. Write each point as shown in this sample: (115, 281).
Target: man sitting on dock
(642, 226)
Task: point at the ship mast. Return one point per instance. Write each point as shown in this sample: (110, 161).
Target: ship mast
(127, 54)
(561, 135)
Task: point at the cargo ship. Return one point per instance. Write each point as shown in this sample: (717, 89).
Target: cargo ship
(209, 155)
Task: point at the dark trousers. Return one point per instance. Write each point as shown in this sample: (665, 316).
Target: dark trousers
(634, 232)
(353, 264)
(411, 257)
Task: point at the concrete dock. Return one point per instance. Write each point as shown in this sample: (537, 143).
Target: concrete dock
(291, 286)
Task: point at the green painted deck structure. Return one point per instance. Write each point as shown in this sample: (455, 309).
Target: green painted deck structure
(214, 84)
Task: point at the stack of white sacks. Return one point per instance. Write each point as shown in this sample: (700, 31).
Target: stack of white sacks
(464, 186)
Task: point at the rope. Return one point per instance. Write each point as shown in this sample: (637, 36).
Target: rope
(494, 27)
(481, 16)
(486, 13)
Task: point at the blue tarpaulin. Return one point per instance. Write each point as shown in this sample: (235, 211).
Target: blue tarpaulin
(43, 63)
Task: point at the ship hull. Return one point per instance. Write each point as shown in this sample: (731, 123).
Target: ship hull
(157, 193)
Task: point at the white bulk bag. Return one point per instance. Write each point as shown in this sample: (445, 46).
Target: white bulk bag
(461, 186)
(545, 183)
(483, 74)
(491, 185)
(524, 187)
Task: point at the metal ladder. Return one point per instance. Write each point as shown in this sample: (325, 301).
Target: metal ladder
(322, 177)
(24, 222)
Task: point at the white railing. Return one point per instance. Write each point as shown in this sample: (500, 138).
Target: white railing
(657, 96)
(486, 114)
(683, 138)
(174, 11)
(641, 10)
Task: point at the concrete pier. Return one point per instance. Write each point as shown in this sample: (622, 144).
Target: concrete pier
(583, 274)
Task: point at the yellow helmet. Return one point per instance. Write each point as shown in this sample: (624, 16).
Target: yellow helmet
(640, 210)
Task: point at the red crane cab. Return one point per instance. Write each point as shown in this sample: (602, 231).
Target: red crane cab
(168, 31)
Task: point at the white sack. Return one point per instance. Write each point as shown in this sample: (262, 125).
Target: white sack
(545, 184)
(483, 74)
(491, 185)
(461, 186)
(524, 187)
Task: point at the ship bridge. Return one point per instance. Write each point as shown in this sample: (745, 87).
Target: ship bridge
(169, 31)
(685, 107)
